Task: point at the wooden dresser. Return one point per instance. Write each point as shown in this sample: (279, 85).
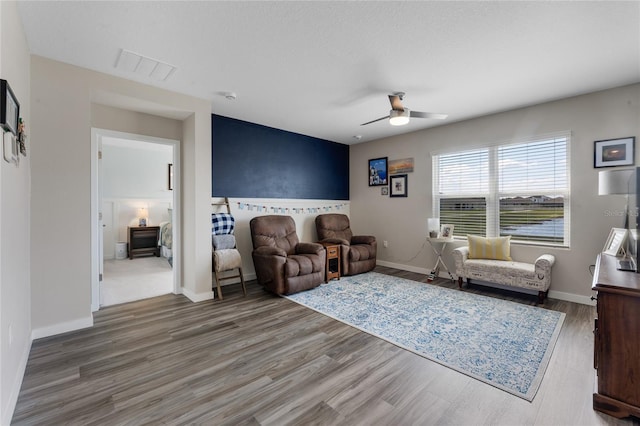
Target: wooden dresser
(617, 340)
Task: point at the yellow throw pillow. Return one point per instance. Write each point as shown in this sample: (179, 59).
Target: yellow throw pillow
(489, 248)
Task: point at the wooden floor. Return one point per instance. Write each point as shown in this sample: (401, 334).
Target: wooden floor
(269, 361)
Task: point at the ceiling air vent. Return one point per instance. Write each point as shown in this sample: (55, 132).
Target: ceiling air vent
(144, 66)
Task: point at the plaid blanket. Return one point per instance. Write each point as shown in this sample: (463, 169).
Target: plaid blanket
(222, 224)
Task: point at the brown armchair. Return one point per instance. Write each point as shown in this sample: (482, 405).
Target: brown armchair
(358, 252)
(283, 264)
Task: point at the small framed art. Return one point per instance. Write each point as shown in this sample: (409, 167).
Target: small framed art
(384, 190)
(378, 171)
(398, 186)
(614, 152)
(446, 231)
(615, 241)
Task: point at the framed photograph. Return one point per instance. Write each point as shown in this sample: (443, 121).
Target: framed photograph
(398, 186)
(446, 231)
(614, 152)
(170, 177)
(384, 190)
(9, 108)
(615, 242)
(378, 171)
(400, 166)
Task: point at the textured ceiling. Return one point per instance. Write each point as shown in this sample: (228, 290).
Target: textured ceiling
(323, 68)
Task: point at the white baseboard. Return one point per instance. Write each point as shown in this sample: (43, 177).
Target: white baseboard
(570, 297)
(404, 267)
(64, 327)
(558, 295)
(7, 411)
(197, 297)
(247, 277)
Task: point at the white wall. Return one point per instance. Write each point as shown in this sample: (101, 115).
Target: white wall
(402, 221)
(15, 308)
(64, 112)
(135, 171)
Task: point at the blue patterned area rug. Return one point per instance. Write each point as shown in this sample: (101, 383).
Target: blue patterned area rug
(505, 344)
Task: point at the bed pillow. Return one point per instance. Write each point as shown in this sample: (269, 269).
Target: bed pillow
(222, 224)
(498, 248)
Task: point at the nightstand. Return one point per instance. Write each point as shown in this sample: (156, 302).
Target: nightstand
(143, 240)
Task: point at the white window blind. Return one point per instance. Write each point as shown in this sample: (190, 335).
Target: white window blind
(463, 188)
(519, 189)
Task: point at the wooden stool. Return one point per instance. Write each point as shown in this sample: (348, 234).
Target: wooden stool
(227, 260)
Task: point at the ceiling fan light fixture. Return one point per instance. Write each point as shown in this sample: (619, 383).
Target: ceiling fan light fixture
(399, 118)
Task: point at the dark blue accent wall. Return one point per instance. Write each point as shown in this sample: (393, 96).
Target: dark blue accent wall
(254, 161)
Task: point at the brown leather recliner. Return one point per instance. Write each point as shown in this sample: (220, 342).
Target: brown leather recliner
(358, 252)
(283, 264)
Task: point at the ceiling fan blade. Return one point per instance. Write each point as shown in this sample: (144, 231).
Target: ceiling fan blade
(418, 114)
(373, 121)
(396, 102)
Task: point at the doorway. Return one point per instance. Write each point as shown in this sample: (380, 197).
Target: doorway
(134, 185)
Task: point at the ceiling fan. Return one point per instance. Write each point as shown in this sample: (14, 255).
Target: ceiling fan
(399, 115)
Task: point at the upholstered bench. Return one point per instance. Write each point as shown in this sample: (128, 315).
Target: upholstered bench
(532, 276)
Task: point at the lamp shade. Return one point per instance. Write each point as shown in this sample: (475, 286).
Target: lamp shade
(612, 182)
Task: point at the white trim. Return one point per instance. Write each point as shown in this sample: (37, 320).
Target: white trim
(96, 136)
(247, 277)
(95, 251)
(12, 400)
(409, 268)
(197, 297)
(504, 142)
(570, 297)
(63, 327)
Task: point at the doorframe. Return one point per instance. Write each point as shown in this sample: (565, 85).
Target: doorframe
(96, 141)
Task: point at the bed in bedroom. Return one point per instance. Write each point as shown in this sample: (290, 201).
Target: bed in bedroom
(166, 241)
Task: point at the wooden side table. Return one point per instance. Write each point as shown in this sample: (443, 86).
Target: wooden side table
(143, 240)
(332, 265)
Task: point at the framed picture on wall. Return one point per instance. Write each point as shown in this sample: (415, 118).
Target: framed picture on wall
(170, 177)
(614, 152)
(398, 186)
(9, 108)
(378, 171)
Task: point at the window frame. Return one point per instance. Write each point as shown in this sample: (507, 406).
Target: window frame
(493, 195)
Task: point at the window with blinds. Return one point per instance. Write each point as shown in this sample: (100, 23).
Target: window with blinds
(519, 189)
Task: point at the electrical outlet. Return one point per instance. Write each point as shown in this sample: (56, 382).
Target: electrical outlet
(385, 243)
